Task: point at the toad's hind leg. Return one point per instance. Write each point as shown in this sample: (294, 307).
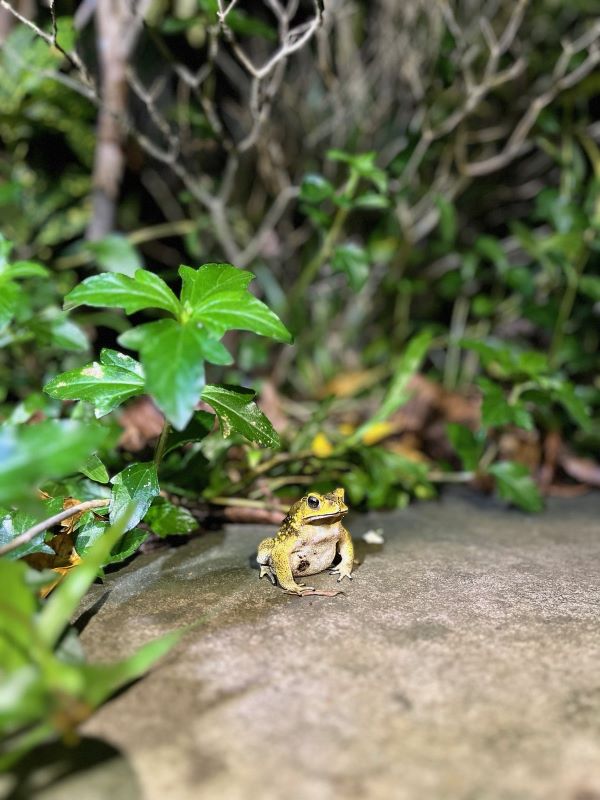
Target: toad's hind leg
(280, 562)
(346, 548)
(265, 548)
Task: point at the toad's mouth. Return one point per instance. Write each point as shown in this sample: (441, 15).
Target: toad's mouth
(319, 517)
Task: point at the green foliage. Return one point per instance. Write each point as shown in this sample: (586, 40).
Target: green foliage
(105, 384)
(30, 454)
(48, 688)
(516, 485)
(238, 412)
(173, 351)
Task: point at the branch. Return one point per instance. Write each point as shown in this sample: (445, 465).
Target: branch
(30, 534)
(51, 39)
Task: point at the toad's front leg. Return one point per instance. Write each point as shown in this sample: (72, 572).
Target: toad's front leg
(346, 548)
(280, 562)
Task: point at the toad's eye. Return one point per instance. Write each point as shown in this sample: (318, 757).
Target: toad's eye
(313, 502)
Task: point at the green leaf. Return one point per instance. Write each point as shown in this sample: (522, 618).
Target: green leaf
(448, 223)
(201, 284)
(371, 200)
(25, 269)
(199, 427)
(173, 359)
(490, 248)
(397, 393)
(30, 454)
(507, 361)
(133, 490)
(363, 164)
(240, 311)
(167, 519)
(516, 485)
(354, 261)
(216, 296)
(10, 294)
(127, 545)
(145, 290)
(315, 189)
(95, 469)
(67, 335)
(14, 524)
(214, 351)
(565, 393)
(115, 253)
(92, 529)
(496, 411)
(65, 599)
(105, 385)
(590, 286)
(467, 444)
(237, 411)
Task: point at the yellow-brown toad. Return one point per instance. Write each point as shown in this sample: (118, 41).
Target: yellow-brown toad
(307, 542)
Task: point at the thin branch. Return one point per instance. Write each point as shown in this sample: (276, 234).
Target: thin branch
(30, 534)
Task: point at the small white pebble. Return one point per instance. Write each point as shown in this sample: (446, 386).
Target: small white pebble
(374, 536)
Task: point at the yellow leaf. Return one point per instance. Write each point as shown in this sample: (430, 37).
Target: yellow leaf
(350, 383)
(321, 446)
(379, 431)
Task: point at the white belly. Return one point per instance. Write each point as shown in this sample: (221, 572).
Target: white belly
(315, 552)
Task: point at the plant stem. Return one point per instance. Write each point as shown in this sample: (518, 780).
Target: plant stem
(241, 502)
(161, 445)
(30, 534)
(566, 306)
(437, 476)
(323, 253)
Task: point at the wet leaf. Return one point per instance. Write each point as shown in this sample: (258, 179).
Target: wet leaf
(167, 519)
(133, 491)
(145, 290)
(237, 411)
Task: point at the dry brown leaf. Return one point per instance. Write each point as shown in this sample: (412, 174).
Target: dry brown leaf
(142, 422)
(581, 469)
(349, 384)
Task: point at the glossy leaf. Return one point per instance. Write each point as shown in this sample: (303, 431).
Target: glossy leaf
(167, 519)
(237, 412)
(198, 285)
(173, 359)
(16, 523)
(95, 470)
(216, 295)
(145, 290)
(133, 491)
(105, 384)
(315, 189)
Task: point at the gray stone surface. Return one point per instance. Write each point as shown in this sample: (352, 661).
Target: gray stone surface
(462, 663)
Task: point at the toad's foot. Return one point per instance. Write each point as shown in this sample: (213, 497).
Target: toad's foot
(310, 592)
(299, 589)
(342, 571)
(269, 573)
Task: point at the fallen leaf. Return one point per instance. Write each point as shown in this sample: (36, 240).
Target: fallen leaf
(350, 383)
(581, 469)
(321, 447)
(142, 422)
